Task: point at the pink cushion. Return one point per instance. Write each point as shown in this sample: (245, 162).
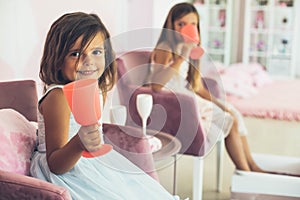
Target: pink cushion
(17, 138)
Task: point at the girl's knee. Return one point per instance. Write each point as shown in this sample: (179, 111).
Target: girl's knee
(234, 128)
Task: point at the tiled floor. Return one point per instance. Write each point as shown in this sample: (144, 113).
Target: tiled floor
(278, 138)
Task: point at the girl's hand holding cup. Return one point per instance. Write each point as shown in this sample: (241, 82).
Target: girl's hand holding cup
(90, 137)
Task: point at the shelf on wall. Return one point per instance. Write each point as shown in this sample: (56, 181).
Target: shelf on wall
(257, 8)
(216, 28)
(217, 7)
(281, 56)
(259, 31)
(258, 54)
(269, 36)
(278, 31)
(216, 51)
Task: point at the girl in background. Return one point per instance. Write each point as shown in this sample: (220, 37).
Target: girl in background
(172, 68)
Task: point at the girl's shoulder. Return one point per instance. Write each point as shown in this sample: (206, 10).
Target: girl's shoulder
(56, 90)
(54, 99)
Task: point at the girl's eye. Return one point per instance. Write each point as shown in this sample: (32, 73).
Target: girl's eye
(98, 52)
(75, 54)
(181, 24)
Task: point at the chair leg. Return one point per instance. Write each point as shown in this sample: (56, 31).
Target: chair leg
(220, 158)
(198, 178)
(174, 175)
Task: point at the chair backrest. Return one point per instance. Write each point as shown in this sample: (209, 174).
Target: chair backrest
(172, 113)
(18, 99)
(135, 67)
(20, 95)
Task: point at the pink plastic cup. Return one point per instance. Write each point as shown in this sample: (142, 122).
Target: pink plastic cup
(190, 34)
(83, 99)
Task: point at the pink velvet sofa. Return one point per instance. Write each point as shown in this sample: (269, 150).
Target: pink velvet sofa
(19, 99)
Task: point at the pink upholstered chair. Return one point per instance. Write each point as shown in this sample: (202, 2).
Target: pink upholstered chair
(21, 97)
(172, 113)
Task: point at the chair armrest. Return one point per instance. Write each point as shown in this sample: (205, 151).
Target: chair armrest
(16, 186)
(129, 142)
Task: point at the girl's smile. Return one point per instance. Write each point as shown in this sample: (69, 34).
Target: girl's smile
(87, 72)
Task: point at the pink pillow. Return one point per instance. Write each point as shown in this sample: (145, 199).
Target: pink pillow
(17, 141)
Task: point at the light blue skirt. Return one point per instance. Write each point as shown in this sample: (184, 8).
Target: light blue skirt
(106, 177)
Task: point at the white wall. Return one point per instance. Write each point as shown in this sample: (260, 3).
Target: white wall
(145, 20)
(25, 23)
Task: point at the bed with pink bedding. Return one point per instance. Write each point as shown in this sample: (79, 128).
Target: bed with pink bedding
(255, 94)
(278, 100)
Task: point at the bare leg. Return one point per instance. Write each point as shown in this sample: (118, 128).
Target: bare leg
(253, 166)
(234, 146)
(238, 118)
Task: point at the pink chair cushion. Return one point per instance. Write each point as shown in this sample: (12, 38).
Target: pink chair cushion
(18, 137)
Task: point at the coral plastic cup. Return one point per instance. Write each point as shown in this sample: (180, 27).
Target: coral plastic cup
(83, 99)
(190, 34)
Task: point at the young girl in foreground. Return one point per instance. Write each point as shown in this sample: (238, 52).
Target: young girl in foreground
(78, 45)
(173, 69)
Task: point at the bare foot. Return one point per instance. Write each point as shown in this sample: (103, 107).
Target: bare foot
(255, 168)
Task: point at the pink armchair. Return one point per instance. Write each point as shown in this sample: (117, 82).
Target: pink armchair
(22, 97)
(172, 112)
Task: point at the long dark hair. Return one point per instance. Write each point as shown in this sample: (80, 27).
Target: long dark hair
(62, 35)
(168, 36)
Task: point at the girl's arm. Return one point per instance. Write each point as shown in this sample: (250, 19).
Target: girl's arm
(163, 71)
(165, 63)
(204, 93)
(62, 154)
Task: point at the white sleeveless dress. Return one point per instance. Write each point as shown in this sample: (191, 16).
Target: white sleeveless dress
(107, 177)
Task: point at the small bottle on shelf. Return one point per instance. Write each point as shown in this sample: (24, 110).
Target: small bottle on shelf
(259, 22)
(222, 17)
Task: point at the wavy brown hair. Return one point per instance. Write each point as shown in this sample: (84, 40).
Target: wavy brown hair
(61, 37)
(168, 36)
